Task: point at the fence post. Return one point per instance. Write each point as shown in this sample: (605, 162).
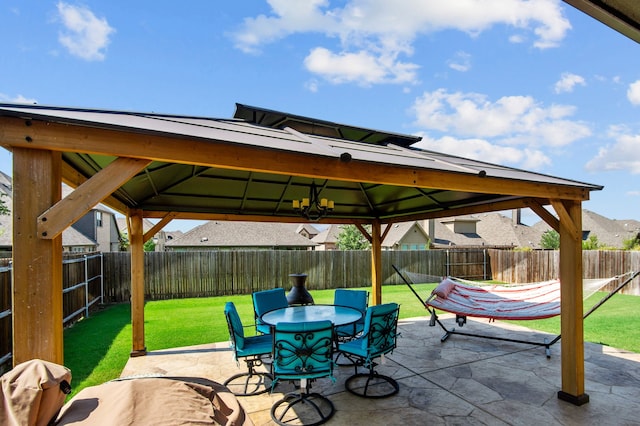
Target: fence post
(86, 287)
(101, 278)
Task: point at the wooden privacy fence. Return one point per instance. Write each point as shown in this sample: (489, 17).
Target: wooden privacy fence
(532, 266)
(214, 273)
(82, 287)
(197, 274)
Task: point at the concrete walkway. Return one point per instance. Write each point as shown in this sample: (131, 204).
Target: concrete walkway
(463, 381)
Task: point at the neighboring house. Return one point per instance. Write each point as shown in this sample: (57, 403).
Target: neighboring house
(75, 242)
(406, 236)
(609, 232)
(307, 230)
(159, 239)
(487, 230)
(99, 225)
(95, 231)
(221, 235)
(328, 238)
(498, 230)
(401, 236)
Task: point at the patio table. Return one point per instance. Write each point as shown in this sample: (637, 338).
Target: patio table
(338, 315)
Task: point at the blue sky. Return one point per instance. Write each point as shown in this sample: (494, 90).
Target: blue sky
(536, 85)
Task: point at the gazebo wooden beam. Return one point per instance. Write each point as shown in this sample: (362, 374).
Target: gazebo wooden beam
(60, 216)
(222, 154)
(545, 215)
(376, 263)
(37, 263)
(74, 179)
(136, 246)
(168, 217)
(571, 305)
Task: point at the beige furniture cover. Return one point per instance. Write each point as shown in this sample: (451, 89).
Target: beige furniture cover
(154, 401)
(31, 393)
(31, 396)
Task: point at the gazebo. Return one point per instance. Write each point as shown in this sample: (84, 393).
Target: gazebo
(262, 165)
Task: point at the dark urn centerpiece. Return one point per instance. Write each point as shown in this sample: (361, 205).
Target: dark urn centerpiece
(299, 294)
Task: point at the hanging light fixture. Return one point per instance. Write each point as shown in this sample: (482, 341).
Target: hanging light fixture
(313, 208)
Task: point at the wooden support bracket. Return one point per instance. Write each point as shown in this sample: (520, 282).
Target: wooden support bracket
(60, 216)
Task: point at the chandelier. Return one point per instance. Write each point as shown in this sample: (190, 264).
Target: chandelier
(313, 208)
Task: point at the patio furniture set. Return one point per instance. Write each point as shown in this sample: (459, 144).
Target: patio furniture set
(303, 343)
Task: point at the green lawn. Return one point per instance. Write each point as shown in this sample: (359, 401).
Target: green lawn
(97, 348)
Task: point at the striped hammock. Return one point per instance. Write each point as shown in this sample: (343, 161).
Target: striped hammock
(513, 302)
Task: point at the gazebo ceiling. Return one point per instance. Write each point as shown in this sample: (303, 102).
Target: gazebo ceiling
(206, 168)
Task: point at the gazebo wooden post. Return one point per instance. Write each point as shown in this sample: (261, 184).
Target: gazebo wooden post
(37, 261)
(136, 247)
(376, 263)
(572, 331)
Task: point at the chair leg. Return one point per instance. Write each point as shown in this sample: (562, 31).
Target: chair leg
(311, 409)
(372, 384)
(254, 383)
(350, 361)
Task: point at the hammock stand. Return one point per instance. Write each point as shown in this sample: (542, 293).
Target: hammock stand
(461, 318)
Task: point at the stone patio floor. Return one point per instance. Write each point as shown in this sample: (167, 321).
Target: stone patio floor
(462, 381)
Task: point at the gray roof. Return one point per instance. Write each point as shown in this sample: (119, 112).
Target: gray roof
(609, 232)
(328, 235)
(71, 237)
(241, 234)
(239, 169)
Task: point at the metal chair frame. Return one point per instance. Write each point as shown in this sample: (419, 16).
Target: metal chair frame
(378, 338)
(251, 349)
(303, 351)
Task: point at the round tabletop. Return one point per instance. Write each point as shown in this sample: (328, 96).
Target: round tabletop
(338, 315)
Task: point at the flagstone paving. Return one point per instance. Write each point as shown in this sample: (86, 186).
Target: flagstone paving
(462, 381)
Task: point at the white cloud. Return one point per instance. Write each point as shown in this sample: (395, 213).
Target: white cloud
(483, 150)
(462, 62)
(19, 99)
(360, 67)
(567, 82)
(622, 155)
(84, 35)
(633, 93)
(312, 85)
(511, 120)
(378, 32)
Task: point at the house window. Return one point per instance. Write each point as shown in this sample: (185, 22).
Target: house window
(411, 247)
(98, 218)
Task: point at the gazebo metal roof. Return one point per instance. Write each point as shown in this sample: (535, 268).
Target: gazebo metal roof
(203, 182)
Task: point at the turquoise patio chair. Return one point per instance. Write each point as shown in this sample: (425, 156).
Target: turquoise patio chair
(378, 338)
(357, 299)
(302, 351)
(251, 349)
(265, 301)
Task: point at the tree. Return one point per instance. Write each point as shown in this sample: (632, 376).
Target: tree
(350, 238)
(4, 210)
(591, 243)
(150, 245)
(550, 240)
(632, 243)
